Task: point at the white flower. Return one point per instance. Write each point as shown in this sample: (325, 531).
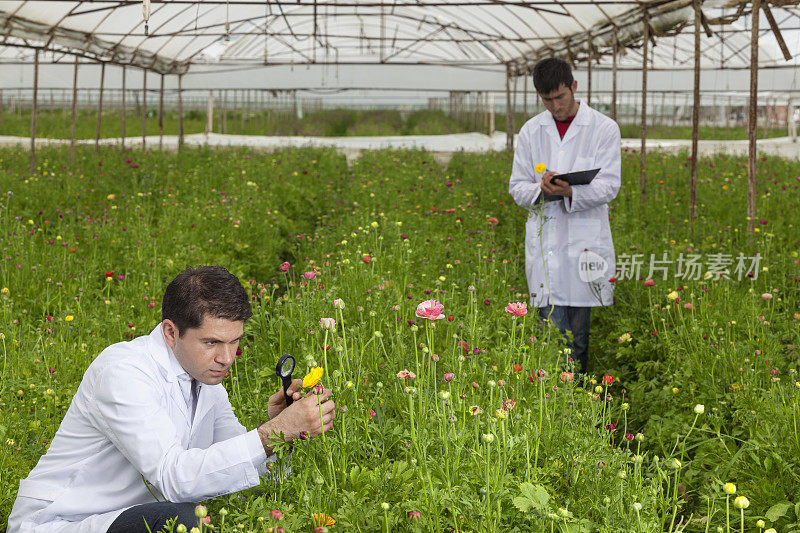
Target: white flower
(636, 506)
(699, 408)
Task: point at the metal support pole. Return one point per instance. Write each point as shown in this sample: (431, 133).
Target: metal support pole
(643, 154)
(34, 110)
(180, 112)
(589, 72)
(525, 96)
(695, 110)
(509, 133)
(614, 77)
(74, 111)
(144, 108)
(161, 115)
(99, 108)
(210, 113)
(752, 122)
(124, 108)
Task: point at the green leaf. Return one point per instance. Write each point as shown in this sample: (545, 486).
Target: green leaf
(2, 432)
(532, 497)
(777, 511)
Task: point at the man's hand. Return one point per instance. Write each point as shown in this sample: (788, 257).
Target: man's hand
(277, 402)
(553, 185)
(303, 416)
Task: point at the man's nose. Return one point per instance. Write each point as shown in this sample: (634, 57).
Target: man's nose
(225, 354)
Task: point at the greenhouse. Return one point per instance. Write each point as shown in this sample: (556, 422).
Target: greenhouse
(371, 290)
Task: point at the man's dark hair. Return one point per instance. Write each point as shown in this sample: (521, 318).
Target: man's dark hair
(550, 74)
(201, 291)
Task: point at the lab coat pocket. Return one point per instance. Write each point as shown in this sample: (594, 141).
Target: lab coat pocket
(582, 163)
(583, 233)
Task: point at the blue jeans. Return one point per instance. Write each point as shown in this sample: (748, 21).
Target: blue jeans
(576, 320)
(156, 515)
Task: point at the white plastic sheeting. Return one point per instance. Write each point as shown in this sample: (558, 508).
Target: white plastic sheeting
(182, 33)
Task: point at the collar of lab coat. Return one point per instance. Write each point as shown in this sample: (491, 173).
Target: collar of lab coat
(164, 356)
(171, 369)
(582, 118)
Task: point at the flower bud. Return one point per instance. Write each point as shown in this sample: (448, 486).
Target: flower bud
(741, 502)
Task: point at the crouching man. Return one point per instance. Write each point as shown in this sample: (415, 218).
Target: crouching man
(150, 431)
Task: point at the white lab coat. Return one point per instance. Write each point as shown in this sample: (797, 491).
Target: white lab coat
(562, 237)
(130, 421)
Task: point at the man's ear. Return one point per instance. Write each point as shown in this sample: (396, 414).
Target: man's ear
(171, 332)
(574, 86)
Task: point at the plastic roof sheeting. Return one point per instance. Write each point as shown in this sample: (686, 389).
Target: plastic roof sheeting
(408, 32)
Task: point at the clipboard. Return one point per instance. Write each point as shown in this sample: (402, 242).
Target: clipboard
(580, 177)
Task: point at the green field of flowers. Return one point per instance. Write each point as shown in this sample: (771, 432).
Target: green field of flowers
(689, 421)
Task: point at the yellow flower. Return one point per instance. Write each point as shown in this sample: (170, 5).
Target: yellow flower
(672, 296)
(312, 377)
(320, 517)
(540, 167)
(69, 318)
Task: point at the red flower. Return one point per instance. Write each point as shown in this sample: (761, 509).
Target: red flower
(366, 259)
(284, 267)
(649, 283)
(492, 221)
(608, 379)
(612, 279)
(109, 274)
(450, 318)
(517, 367)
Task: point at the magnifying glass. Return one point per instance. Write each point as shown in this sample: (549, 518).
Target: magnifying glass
(284, 370)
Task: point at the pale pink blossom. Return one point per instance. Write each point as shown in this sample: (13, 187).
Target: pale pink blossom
(517, 308)
(449, 376)
(766, 296)
(430, 310)
(310, 275)
(566, 376)
(327, 323)
(406, 374)
(688, 306)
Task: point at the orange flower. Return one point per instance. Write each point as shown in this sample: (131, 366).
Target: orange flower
(320, 517)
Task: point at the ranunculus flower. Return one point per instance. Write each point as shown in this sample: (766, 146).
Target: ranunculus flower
(766, 296)
(313, 377)
(327, 323)
(310, 275)
(612, 279)
(338, 303)
(430, 310)
(517, 308)
(492, 220)
(608, 379)
(449, 376)
(566, 376)
(275, 514)
(688, 306)
(367, 259)
(284, 267)
(406, 374)
(414, 515)
(649, 283)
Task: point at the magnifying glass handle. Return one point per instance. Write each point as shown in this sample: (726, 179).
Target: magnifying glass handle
(287, 381)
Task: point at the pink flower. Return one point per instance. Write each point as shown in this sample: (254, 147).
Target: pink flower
(430, 309)
(649, 283)
(508, 405)
(372, 413)
(284, 267)
(766, 296)
(492, 220)
(406, 374)
(688, 306)
(414, 515)
(449, 376)
(566, 376)
(367, 259)
(310, 275)
(206, 519)
(327, 323)
(517, 308)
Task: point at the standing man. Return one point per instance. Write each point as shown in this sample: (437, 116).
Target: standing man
(150, 431)
(569, 254)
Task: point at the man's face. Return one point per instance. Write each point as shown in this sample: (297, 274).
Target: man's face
(561, 102)
(207, 352)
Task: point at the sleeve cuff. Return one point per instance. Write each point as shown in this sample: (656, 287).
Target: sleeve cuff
(569, 203)
(255, 451)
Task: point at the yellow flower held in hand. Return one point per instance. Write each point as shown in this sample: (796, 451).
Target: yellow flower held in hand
(540, 167)
(313, 377)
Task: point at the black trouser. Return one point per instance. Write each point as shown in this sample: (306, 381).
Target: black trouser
(156, 515)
